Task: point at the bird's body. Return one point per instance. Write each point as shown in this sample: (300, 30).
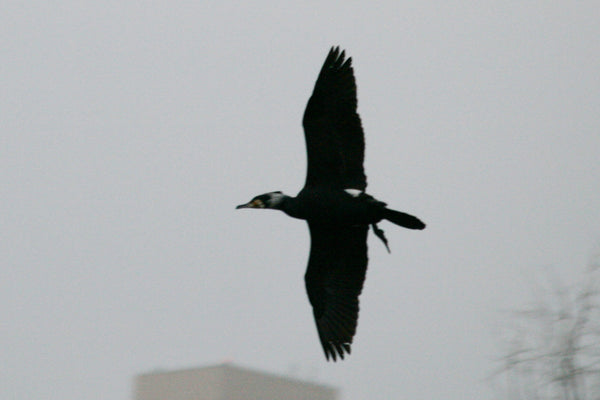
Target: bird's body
(335, 205)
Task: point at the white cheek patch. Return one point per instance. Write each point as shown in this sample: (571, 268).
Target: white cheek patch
(276, 198)
(353, 192)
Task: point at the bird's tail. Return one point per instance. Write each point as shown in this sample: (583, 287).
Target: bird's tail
(402, 219)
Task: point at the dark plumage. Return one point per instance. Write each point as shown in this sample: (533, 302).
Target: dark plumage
(335, 205)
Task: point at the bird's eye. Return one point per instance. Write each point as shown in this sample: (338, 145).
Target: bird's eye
(258, 203)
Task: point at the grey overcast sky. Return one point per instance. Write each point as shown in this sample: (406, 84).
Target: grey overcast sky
(130, 130)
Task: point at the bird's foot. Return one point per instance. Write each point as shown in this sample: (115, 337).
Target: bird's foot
(381, 235)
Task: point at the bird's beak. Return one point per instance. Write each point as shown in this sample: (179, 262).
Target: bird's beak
(255, 203)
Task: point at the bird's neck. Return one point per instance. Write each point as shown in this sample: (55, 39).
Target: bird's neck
(290, 206)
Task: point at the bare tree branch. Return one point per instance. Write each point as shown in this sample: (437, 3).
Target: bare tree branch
(552, 349)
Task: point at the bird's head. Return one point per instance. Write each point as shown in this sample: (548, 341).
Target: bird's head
(267, 200)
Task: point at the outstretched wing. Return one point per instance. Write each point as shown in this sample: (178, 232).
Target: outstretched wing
(335, 143)
(334, 279)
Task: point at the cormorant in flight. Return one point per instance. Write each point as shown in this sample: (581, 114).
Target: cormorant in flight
(335, 205)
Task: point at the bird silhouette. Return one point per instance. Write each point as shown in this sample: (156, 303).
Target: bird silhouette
(334, 204)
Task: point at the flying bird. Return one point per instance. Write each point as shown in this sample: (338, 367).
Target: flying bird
(335, 205)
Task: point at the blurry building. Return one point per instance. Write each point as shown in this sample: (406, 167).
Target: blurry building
(226, 382)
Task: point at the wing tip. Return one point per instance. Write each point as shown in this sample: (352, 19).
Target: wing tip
(334, 350)
(337, 58)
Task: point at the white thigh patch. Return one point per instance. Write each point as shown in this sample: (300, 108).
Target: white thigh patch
(353, 192)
